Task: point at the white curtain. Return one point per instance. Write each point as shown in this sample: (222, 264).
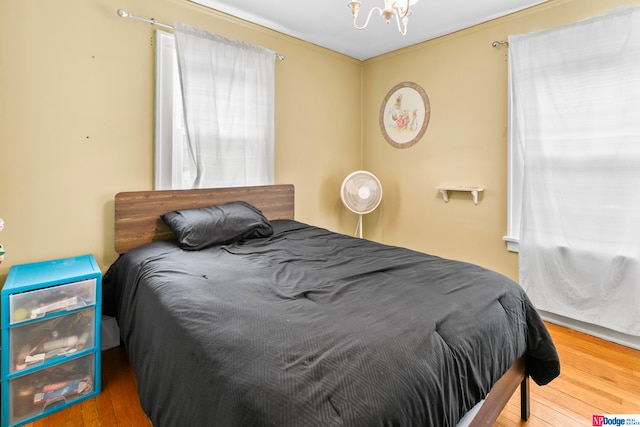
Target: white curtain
(228, 95)
(576, 116)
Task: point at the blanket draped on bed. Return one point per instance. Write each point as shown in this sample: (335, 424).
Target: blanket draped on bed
(313, 328)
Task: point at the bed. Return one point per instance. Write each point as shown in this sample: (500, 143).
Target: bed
(288, 324)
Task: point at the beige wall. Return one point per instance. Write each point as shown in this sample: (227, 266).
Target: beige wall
(76, 119)
(465, 144)
(76, 126)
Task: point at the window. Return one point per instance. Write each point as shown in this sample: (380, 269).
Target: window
(214, 111)
(576, 100)
(575, 162)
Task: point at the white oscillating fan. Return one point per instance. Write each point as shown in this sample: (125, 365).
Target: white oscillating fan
(361, 193)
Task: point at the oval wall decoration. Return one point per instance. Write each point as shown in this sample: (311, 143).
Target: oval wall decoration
(404, 115)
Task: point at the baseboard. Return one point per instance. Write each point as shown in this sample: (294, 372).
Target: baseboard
(594, 330)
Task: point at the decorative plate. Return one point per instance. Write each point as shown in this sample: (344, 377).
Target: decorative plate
(404, 115)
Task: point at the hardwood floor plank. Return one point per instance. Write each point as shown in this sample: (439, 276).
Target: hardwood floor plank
(563, 409)
(71, 416)
(122, 390)
(607, 352)
(597, 377)
(105, 415)
(90, 413)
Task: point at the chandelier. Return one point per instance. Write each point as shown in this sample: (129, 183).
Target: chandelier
(398, 8)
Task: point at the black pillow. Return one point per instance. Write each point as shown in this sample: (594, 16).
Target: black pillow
(202, 227)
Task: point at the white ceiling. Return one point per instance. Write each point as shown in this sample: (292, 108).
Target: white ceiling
(328, 23)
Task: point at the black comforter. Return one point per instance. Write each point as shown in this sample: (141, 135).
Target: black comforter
(314, 328)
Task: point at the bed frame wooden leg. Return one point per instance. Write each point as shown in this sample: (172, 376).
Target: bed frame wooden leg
(525, 405)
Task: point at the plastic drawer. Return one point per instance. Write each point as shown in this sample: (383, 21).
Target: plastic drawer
(36, 304)
(50, 388)
(36, 343)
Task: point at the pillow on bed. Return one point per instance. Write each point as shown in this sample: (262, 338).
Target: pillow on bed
(202, 227)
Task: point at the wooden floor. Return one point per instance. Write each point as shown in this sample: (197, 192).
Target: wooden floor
(597, 377)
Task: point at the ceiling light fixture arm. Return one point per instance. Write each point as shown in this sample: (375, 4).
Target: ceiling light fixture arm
(355, 9)
(391, 8)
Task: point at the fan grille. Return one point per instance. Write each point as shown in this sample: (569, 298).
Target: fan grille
(361, 192)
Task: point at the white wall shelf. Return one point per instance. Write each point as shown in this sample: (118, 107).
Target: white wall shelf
(473, 190)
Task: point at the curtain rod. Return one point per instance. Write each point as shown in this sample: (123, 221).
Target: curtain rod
(124, 14)
(500, 43)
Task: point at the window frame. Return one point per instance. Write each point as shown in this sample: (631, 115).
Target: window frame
(169, 118)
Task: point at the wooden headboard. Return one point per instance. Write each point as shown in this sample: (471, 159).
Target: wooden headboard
(137, 213)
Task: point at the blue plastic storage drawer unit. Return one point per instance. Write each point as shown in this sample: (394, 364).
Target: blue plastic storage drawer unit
(51, 315)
